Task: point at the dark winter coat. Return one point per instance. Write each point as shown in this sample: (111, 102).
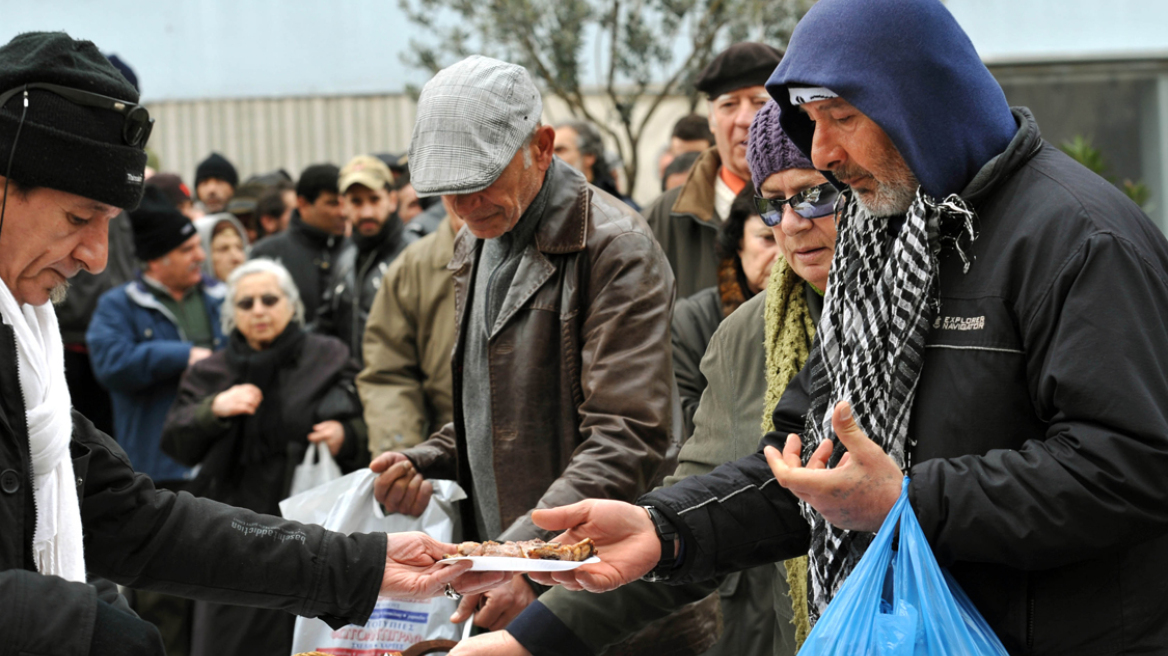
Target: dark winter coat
(357, 276)
(315, 384)
(309, 254)
(1039, 421)
(151, 539)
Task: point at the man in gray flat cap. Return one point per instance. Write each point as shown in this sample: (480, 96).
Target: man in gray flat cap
(562, 372)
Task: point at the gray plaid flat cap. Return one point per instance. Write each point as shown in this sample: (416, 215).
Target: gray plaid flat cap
(472, 118)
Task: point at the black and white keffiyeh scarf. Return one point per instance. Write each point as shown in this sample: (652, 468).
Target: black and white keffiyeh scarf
(881, 299)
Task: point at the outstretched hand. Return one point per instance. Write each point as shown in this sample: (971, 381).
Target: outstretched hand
(412, 570)
(858, 492)
(624, 537)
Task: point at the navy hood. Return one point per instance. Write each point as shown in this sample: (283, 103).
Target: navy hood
(908, 66)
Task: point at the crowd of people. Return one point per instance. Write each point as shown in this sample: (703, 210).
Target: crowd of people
(864, 266)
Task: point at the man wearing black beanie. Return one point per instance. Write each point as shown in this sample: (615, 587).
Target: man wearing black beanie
(685, 219)
(72, 156)
(215, 183)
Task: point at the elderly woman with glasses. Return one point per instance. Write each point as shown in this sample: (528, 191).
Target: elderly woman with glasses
(248, 413)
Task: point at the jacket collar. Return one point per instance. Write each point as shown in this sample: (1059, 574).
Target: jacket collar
(213, 294)
(1024, 145)
(697, 194)
(313, 235)
(563, 228)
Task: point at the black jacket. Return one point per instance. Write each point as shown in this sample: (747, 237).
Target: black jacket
(153, 539)
(355, 279)
(314, 384)
(309, 254)
(1040, 420)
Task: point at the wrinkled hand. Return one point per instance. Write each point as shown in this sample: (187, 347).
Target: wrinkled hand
(197, 353)
(495, 609)
(412, 570)
(496, 643)
(237, 400)
(331, 432)
(858, 492)
(400, 488)
(622, 532)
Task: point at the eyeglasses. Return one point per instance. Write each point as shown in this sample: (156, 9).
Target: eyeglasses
(813, 203)
(136, 121)
(269, 300)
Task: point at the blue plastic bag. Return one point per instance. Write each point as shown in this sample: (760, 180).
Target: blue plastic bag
(900, 602)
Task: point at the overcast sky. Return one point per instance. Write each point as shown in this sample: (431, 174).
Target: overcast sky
(252, 48)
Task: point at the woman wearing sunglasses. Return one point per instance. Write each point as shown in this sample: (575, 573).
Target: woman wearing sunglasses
(248, 413)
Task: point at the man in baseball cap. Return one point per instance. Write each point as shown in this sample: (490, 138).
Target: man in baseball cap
(563, 303)
(369, 203)
(72, 138)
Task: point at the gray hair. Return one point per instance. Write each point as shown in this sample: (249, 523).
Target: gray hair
(252, 267)
(588, 140)
(526, 147)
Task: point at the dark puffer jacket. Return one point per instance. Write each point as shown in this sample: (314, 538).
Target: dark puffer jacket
(1040, 421)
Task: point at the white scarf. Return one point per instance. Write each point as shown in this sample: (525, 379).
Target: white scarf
(40, 363)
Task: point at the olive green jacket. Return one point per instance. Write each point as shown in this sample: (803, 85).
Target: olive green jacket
(406, 384)
(685, 224)
(731, 405)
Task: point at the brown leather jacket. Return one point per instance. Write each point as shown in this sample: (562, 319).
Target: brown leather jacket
(581, 373)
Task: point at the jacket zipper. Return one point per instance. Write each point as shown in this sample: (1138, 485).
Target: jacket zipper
(1029, 618)
(358, 288)
(27, 454)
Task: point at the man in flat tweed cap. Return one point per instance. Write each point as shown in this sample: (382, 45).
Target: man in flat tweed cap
(562, 372)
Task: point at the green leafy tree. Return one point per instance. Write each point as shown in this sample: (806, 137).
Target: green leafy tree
(636, 53)
(1084, 152)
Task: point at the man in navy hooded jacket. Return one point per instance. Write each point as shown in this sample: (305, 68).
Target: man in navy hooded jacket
(1003, 346)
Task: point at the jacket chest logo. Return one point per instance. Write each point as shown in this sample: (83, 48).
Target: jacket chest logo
(959, 323)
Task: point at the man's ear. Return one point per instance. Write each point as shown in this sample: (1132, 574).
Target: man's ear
(544, 146)
(393, 200)
(302, 203)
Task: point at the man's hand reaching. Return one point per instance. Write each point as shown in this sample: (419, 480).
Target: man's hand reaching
(400, 488)
(858, 492)
(623, 534)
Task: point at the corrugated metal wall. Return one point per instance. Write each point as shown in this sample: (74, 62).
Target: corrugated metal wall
(261, 135)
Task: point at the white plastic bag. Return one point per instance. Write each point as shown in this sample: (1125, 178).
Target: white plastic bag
(347, 505)
(317, 469)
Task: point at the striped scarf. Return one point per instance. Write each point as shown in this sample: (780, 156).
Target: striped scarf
(881, 298)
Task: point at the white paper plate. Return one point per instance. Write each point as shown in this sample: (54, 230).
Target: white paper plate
(504, 564)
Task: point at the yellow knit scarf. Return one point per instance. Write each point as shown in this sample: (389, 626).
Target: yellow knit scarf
(789, 331)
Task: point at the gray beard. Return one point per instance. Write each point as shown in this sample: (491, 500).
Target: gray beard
(889, 200)
(58, 293)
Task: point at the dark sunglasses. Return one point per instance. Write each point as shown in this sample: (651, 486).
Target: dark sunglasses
(269, 300)
(136, 121)
(813, 203)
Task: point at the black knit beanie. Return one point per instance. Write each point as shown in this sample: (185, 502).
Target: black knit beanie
(64, 146)
(216, 166)
(159, 227)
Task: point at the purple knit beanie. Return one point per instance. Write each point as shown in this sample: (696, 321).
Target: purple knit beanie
(769, 149)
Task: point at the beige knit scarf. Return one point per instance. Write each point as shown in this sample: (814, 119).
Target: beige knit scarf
(789, 332)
